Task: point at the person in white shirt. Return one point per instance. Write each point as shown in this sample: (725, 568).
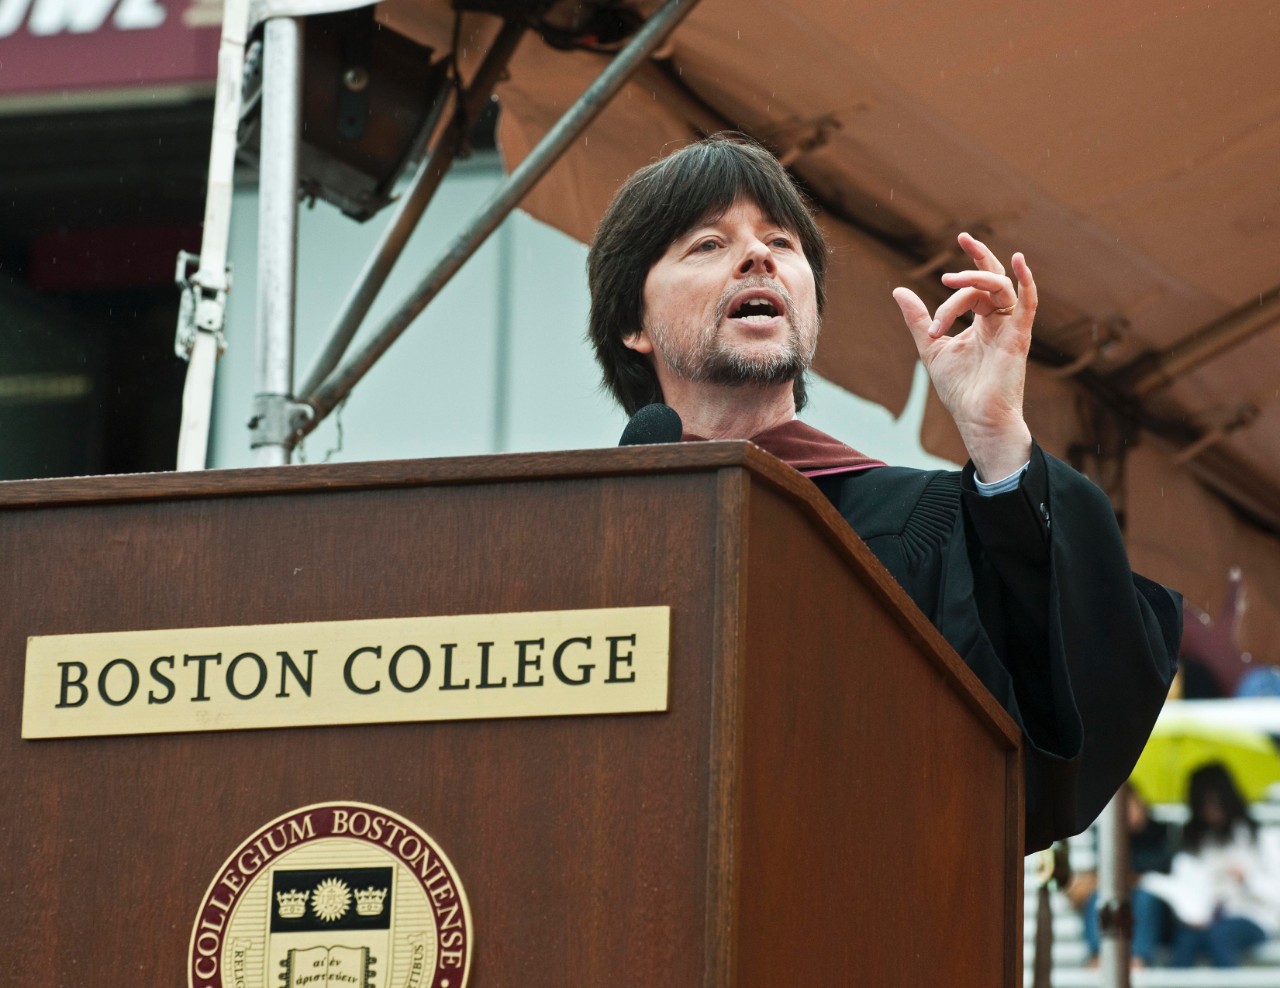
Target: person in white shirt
(1224, 886)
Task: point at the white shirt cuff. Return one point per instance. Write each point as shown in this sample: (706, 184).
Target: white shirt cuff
(1003, 486)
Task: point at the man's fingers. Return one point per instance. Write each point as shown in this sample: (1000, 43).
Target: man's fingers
(1027, 295)
(953, 308)
(998, 286)
(981, 291)
(916, 315)
(982, 254)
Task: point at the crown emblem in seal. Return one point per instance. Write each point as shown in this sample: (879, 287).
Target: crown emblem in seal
(334, 895)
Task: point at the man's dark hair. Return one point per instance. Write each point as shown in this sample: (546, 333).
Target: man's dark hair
(657, 205)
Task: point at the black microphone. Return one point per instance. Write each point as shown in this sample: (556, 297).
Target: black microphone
(656, 423)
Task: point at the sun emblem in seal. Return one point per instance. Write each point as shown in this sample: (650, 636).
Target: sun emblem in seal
(335, 895)
(331, 899)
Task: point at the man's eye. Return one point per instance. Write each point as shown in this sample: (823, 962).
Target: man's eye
(784, 242)
(706, 246)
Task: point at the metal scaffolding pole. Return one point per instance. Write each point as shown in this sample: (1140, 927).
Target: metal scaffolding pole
(1115, 917)
(204, 294)
(1238, 326)
(274, 416)
(414, 203)
(654, 32)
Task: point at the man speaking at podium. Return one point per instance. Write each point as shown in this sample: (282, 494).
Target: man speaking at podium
(707, 280)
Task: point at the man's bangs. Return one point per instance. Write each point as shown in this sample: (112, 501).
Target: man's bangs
(700, 192)
(786, 211)
(706, 183)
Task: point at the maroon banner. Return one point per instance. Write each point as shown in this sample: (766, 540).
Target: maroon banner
(79, 46)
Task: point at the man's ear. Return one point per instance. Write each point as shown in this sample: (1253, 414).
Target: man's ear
(638, 341)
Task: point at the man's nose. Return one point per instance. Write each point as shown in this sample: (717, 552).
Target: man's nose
(758, 258)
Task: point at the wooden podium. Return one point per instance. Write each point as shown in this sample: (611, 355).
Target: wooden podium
(830, 798)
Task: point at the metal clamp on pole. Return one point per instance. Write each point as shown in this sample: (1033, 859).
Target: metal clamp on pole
(199, 340)
(277, 421)
(200, 309)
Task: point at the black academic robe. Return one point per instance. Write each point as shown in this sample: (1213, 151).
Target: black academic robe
(1033, 589)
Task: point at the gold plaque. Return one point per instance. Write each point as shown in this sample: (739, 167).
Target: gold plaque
(532, 664)
(335, 895)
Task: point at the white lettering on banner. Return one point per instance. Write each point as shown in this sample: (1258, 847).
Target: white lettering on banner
(75, 16)
(50, 17)
(138, 15)
(11, 14)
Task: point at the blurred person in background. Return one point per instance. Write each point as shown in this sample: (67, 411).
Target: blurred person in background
(1224, 884)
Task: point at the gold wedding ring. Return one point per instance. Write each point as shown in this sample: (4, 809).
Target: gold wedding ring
(1006, 310)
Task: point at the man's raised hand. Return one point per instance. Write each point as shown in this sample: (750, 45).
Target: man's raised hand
(980, 372)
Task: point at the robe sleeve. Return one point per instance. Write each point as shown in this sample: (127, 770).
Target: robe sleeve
(1088, 647)
(1033, 589)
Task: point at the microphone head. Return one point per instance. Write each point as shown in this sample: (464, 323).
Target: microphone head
(656, 423)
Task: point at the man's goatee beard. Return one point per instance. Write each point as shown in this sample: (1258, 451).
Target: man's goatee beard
(718, 363)
(712, 361)
(724, 366)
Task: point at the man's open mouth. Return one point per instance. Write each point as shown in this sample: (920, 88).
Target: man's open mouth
(756, 308)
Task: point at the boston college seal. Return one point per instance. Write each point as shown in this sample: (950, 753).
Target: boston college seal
(335, 895)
